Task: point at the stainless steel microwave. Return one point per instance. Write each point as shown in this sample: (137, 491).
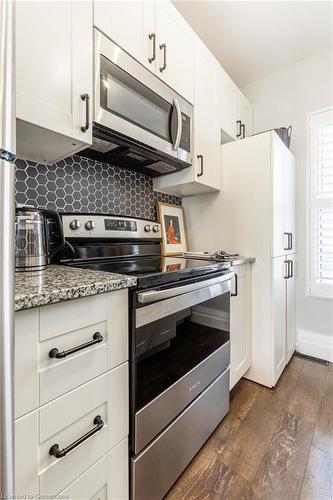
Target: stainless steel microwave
(139, 122)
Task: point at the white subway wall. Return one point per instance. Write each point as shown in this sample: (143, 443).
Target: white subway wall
(283, 99)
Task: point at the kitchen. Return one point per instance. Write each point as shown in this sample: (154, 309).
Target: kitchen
(166, 203)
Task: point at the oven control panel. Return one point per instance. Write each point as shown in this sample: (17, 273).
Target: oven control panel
(103, 226)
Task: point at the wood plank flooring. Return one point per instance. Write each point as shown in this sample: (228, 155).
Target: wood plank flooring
(273, 444)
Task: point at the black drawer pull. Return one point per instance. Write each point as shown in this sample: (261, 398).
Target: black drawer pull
(57, 453)
(55, 353)
(85, 97)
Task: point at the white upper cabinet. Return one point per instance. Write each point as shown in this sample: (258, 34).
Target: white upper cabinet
(174, 49)
(244, 117)
(154, 33)
(206, 131)
(131, 25)
(204, 174)
(227, 102)
(54, 64)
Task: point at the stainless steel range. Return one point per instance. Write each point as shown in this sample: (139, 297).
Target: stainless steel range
(179, 343)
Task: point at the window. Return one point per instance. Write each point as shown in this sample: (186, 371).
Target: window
(321, 203)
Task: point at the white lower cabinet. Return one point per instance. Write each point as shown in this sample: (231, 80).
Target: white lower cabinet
(240, 323)
(76, 405)
(106, 480)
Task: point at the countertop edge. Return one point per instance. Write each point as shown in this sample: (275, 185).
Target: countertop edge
(100, 283)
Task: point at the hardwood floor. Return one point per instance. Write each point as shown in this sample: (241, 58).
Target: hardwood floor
(273, 444)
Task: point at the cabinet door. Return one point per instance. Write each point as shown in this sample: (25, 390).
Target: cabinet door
(206, 134)
(291, 309)
(278, 197)
(129, 24)
(174, 48)
(227, 101)
(240, 324)
(54, 57)
(279, 316)
(289, 198)
(245, 115)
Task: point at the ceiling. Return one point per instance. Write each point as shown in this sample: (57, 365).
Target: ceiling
(252, 39)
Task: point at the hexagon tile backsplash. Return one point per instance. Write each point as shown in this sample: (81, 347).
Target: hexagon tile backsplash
(80, 185)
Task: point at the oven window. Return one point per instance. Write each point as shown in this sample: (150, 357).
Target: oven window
(169, 348)
(128, 98)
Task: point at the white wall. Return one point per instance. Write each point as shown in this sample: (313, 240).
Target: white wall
(283, 99)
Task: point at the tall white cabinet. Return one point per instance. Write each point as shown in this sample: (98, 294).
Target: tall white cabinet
(254, 215)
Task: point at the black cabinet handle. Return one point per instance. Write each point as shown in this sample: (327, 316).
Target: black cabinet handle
(55, 353)
(240, 128)
(242, 131)
(291, 274)
(85, 97)
(164, 48)
(291, 241)
(236, 287)
(152, 36)
(200, 157)
(56, 452)
(286, 247)
(286, 265)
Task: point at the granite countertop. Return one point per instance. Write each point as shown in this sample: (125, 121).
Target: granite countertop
(60, 283)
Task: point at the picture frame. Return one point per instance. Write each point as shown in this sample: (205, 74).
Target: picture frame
(173, 228)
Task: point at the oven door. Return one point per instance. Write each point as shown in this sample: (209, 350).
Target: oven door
(132, 101)
(180, 346)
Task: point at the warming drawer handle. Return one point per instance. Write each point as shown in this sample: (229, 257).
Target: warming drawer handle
(235, 293)
(55, 353)
(56, 452)
(86, 98)
(154, 295)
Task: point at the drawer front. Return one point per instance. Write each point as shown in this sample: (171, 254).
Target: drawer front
(106, 480)
(151, 419)
(71, 416)
(58, 376)
(71, 325)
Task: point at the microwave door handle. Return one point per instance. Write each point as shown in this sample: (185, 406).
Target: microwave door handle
(175, 145)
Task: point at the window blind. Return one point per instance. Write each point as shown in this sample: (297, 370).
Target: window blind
(321, 203)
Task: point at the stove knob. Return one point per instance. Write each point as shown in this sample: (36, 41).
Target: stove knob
(147, 228)
(156, 229)
(75, 224)
(90, 225)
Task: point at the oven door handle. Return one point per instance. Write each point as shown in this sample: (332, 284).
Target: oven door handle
(175, 146)
(155, 295)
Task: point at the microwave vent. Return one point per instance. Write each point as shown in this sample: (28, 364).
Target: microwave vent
(102, 146)
(161, 167)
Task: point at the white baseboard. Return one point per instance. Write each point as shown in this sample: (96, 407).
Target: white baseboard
(315, 344)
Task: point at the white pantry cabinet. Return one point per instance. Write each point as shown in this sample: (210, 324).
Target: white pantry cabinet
(227, 106)
(131, 25)
(154, 33)
(240, 323)
(257, 201)
(204, 174)
(283, 177)
(54, 65)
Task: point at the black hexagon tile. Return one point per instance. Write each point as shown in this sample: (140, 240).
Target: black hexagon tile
(80, 185)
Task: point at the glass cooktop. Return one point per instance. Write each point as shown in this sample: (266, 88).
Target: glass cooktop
(156, 270)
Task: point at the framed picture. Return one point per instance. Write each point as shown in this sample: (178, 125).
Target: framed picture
(174, 236)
